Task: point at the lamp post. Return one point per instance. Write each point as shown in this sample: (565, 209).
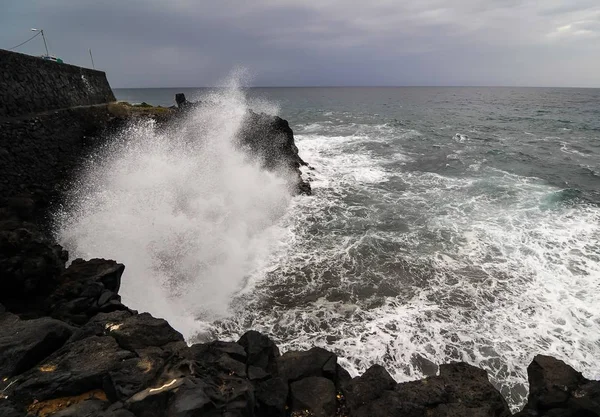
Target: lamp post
(43, 37)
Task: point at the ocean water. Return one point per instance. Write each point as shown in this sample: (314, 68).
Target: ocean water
(447, 224)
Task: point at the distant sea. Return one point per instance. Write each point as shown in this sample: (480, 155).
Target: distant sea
(447, 224)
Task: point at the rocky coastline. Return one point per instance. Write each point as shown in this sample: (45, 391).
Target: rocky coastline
(70, 347)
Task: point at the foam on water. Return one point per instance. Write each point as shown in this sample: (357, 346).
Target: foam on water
(188, 214)
(480, 269)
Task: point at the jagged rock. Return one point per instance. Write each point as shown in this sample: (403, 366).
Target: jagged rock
(29, 267)
(314, 394)
(231, 394)
(389, 404)
(89, 408)
(8, 409)
(24, 343)
(271, 397)
(271, 139)
(368, 387)
(459, 390)
(342, 378)
(86, 288)
(257, 374)
(190, 400)
(260, 350)
(76, 368)
(143, 330)
(101, 324)
(81, 274)
(134, 375)
(557, 390)
(292, 366)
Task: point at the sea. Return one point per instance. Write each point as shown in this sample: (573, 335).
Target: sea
(446, 224)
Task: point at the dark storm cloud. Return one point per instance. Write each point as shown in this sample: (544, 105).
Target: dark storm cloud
(330, 42)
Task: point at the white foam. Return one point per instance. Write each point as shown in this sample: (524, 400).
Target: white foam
(188, 214)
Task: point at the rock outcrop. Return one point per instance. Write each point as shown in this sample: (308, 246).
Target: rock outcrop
(268, 138)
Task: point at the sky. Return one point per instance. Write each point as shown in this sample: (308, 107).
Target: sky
(181, 43)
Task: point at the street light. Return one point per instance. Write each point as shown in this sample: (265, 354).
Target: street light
(43, 37)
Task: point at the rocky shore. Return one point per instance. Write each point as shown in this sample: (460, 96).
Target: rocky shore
(70, 347)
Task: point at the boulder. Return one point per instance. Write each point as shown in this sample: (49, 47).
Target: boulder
(86, 288)
(390, 404)
(556, 389)
(143, 330)
(293, 365)
(24, 343)
(260, 350)
(271, 397)
(190, 401)
(315, 394)
(74, 369)
(368, 387)
(29, 267)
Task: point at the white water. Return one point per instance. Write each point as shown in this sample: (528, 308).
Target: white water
(500, 275)
(189, 215)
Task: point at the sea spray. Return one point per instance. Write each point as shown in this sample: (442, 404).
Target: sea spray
(187, 213)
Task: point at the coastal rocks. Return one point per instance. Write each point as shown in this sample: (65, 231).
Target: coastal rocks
(24, 343)
(557, 390)
(268, 139)
(315, 394)
(368, 387)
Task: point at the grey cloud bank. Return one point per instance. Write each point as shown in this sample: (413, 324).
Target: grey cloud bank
(331, 42)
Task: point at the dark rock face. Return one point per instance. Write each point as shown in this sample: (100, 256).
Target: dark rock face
(368, 387)
(556, 389)
(268, 139)
(315, 394)
(24, 343)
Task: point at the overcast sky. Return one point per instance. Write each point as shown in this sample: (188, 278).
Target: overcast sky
(179, 43)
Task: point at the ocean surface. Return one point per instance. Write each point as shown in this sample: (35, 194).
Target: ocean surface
(447, 224)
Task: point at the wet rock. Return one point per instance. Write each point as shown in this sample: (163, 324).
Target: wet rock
(8, 409)
(24, 343)
(368, 387)
(260, 350)
(389, 404)
(293, 365)
(231, 394)
(89, 408)
(255, 373)
(86, 288)
(271, 397)
(342, 378)
(29, 268)
(556, 389)
(135, 374)
(189, 402)
(143, 330)
(314, 394)
(76, 368)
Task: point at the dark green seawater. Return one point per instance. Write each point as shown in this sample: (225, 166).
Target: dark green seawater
(446, 224)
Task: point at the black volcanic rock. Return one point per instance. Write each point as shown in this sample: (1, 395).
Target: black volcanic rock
(314, 394)
(368, 387)
(293, 365)
(143, 330)
(261, 351)
(557, 390)
(24, 343)
(74, 369)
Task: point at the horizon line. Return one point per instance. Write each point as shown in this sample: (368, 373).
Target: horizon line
(364, 86)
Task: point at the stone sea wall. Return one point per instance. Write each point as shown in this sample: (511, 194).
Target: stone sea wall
(30, 85)
(48, 113)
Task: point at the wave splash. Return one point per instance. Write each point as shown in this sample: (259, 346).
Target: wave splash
(187, 213)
